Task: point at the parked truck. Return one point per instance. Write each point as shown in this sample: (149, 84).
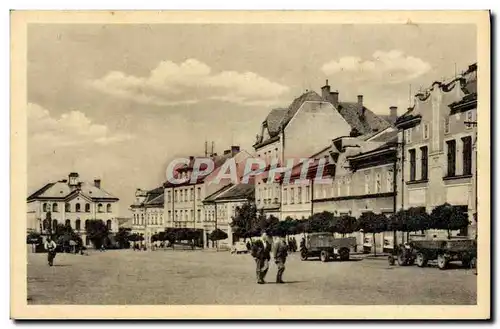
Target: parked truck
(326, 247)
(442, 251)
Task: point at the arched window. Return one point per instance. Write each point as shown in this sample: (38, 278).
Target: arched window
(78, 224)
(54, 224)
(45, 224)
(86, 224)
(108, 224)
(77, 207)
(54, 207)
(87, 207)
(45, 207)
(99, 207)
(142, 219)
(108, 208)
(68, 223)
(67, 207)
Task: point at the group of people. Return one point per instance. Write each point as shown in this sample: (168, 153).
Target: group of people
(261, 252)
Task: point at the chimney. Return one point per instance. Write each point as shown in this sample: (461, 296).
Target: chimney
(73, 179)
(334, 98)
(325, 91)
(393, 113)
(360, 100)
(235, 149)
(226, 152)
(97, 183)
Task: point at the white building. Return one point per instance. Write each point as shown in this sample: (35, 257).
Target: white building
(72, 202)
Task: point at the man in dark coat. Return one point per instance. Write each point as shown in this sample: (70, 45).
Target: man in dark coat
(280, 254)
(261, 252)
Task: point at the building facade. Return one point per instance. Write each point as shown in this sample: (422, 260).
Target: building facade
(438, 137)
(72, 202)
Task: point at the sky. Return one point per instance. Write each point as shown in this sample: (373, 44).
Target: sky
(118, 102)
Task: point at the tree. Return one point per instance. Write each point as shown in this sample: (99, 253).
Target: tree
(345, 224)
(373, 223)
(448, 217)
(97, 231)
(122, 237)
(217, 235)
(242, 223)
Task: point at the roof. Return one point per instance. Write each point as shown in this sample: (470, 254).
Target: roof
(125, 222)
(61, 190)
(157, 200)
(236, 192)
(361, 118)
(274, 119)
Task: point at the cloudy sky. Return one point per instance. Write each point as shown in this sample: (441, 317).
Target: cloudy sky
(118, 101)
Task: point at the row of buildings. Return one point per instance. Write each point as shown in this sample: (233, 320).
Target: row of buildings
(382, 163)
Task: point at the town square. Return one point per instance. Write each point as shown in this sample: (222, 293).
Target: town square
(342, 171)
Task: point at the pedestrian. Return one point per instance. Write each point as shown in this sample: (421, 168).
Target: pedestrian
(262, 254)
(280, 254)
(50, 246)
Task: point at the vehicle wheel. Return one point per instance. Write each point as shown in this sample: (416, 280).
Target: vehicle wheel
(402, 261)
(303, 255)
(324, 256)
(344, 254)
(421, 260)
(391, 260)
(442, 262)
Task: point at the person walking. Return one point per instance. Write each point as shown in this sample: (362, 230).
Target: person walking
(280, 254)
(50, 246)
(262, 254)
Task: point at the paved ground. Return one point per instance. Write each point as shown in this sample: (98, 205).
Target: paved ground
(202, 277)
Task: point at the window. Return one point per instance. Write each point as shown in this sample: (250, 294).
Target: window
(299, 194)
(108, 208)
(348, 185)
(199, 193)
(44, 207)
(54, 207)
(45, 224)
(446, 125)
(54, 224)
(192, 214)
(292, 195)
(142, 219)
(378, 183)
(285, 195)
(78, 224)
(467, 155)
(176, 216)
(367, 184)
(87, 207)
(86, 224)
(469, 118)
(176, 196)
(339, 186)
(169, 215)
(68, 223)
(413, 168)
(169, 196)
(451, 152)
(198, 216)
(100, 208)
(77, 207)
(390, 181)
(192, 193)
(426, 131)
(308, 196)
(408, 135)
(108, 224)
(424, 162)
(67, 207)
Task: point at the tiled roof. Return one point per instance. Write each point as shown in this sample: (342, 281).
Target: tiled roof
(297, 103)
(387, 136)
(274, 119)
(361, 118)
(61, 190)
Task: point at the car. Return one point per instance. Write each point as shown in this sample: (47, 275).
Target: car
(239, 248)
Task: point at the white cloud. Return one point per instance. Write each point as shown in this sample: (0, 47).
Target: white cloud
(392, 67)
(188, 83)
(69, 129)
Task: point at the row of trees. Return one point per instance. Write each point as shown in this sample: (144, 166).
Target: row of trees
(250, 222)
